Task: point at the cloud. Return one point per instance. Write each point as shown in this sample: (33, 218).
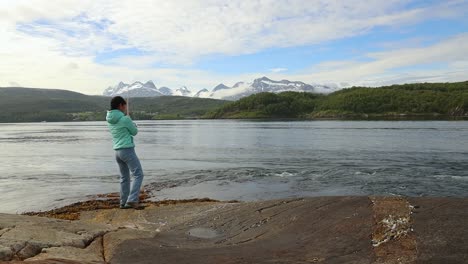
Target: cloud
(278, 69)
(75, 36)
(179, 32)
(398, 65)
(14, 84)
(72, 66)
(56, 43)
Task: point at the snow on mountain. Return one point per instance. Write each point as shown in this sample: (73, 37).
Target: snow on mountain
(203, 93)
(165, 90)
(136, 89)
(220, 86)
(114, 89)
(150, 84)
(182, 91)
(221, 91)
(238, 91)
(239, 84)
(264, 84)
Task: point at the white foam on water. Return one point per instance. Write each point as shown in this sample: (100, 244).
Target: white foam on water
(285, 174)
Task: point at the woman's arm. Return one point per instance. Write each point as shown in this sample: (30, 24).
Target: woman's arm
(132, 128)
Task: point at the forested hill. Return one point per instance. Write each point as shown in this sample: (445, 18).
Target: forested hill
(425, 100)
(35, 105)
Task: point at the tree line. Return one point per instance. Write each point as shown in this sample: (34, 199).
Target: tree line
(36, 105)
(427, 100)
(423, 99)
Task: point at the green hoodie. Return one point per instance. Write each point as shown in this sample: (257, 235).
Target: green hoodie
(122, 129)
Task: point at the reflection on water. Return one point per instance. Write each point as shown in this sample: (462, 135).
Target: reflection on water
(51, 164)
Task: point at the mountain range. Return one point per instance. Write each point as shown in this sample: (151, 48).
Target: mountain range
(221, 91)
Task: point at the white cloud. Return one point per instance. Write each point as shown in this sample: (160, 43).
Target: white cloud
(54, 43)
(278, 69)
(382, 68)
(181, 31)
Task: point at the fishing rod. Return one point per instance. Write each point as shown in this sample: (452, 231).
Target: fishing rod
(128, 109)
(128, 105)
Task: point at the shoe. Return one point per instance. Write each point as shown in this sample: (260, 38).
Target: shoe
(125, 206)
(134, 205)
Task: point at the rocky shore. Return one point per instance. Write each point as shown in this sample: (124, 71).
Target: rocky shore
(304, 230)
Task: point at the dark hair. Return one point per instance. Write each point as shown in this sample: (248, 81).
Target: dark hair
(116, 102)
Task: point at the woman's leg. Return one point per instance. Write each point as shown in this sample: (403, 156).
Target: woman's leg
(124, 178)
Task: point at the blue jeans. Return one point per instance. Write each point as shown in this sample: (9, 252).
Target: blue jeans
(129, 162)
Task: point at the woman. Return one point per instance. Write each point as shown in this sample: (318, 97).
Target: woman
(123, 130)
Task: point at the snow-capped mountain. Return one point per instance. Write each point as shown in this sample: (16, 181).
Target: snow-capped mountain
(148, 89)
(220, 86)
(136, 89)
(221, 91)
(204, 93)
(165, 90)
(182, 91)
(264, 84)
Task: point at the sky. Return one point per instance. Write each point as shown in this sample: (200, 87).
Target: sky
(87, 46)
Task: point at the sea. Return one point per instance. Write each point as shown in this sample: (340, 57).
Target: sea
(48, 165)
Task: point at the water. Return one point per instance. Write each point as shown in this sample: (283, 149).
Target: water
(44, 165)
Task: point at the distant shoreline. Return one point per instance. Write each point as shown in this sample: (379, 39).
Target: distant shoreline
(357, 117)
(363, 117)
(425, 101)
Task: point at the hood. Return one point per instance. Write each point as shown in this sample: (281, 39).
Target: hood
(113, 116)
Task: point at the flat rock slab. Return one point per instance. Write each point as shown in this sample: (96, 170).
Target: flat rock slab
(441, 229)
(112, 241)
(306, 230)
(326, 229)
